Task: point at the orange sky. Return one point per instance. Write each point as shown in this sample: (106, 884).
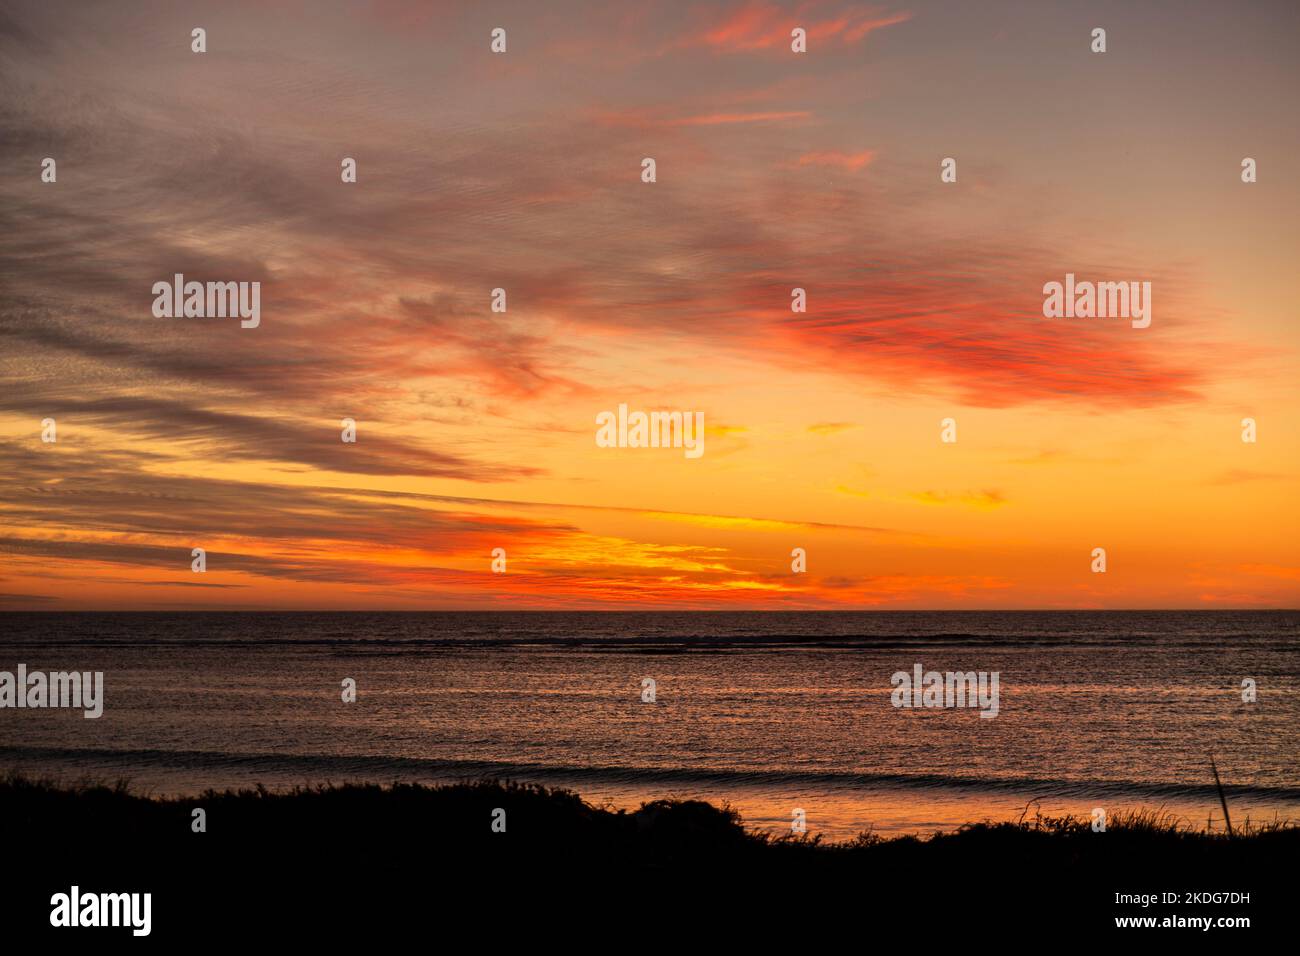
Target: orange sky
(775, 170)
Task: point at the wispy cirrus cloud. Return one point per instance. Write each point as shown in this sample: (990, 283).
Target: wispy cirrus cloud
(756, 25)
(522, 173)
(842, 160)
(983, 500)
(830, 428)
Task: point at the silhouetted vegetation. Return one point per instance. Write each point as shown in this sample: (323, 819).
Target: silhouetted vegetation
(367, 838)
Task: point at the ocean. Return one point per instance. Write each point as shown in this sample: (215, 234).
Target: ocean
(768, 712)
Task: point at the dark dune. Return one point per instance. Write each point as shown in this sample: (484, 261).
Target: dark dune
(316, 851)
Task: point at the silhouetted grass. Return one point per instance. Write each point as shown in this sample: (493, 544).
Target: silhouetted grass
(539, 817)
(407, 849)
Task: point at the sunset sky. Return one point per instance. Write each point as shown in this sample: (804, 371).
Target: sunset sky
(476, 430)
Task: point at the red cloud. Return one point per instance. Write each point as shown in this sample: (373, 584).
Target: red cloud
(761, 26)
(850, 161)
